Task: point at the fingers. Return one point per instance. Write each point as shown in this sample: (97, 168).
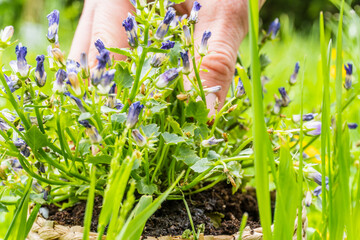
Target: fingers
(107, 26)
(227, 20)
(81, 40)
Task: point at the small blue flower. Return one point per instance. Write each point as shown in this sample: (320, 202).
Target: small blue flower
(164, 79)
(240, 90)
(164, 25)
(204, 43)
(194, 15)
(77, 101)
(294, 74)
(284, 97)
(312, 128)
(20, 66)
(91, 131)
(348, 78)
(131, 30)
(84, 65)
(167, 45)
(211, 142)
(186, 62)
(317, 191)
(352, 125)
(133, 115)
(99, 45)
(40, 74)
(52, 34)
(306, 117)
(106, 82)
(187, 35)
(139, 139)
(103, 59)
(274, 28)
(13, 82)
(59, 83)
(23, 147)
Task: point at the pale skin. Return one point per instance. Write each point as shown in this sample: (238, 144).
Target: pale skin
(226, 19)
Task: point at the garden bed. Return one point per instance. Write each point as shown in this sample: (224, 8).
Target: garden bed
(217, 208)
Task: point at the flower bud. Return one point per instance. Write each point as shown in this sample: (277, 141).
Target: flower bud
(204, 43)
(194, 14)
(240, 90)
(133, 114)
(312, 128)
(293, 76)
(40, 74)
(92, 132)
(77, 101)
(284, 97)
(131, 30)
(274, 28)
(52, 34)
(13, 82)
(58, 55)
(23, 147)
(352, 125)
(20, 66)
(164, 25)
(187, 35)
(164, 79)
(6, 34)
(106, 82)
(84, 65)
(211, 142)
(213, 89)
(308, 198)
(348, 78)
(59, 83)
(139, 139)
(186, 62)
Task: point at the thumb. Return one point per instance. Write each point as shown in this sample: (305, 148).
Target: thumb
(107, 26)
(227, 21)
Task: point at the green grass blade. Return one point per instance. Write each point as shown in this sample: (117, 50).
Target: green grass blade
(301, 160)
(32, 218)
(138, 221)
(90, 203)
(18, 223)
(259, 129)
(286, 197)
(325, 117)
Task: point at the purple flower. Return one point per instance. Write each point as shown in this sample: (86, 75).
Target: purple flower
(72, 68)
(211, 142)
(13, 82)
(99, 45)
(84, 65)
(112, 102)
(103, 59)
(194, 15)
(186, 63)
(164, 25)
(91, 131)
(306, 117)
(131, 30)
(40, 74)
(167, 45)
(139, 139)
(312, 128)
(284, 97)
(240, 90)
(352, 125)
(106, 82)
(52, 34)
(159, 58)
(20, 66)
(59, 83)
(348, 78)
(187, 35)
(164, 79)
(133, 115)
(274, 28)
(77, 101)
(293, 76)
(204, 43)
(23, 147)
(317, 191)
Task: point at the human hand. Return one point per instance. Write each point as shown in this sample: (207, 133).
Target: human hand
(226, 19)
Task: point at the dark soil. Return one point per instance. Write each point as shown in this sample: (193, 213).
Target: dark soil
(217, 208)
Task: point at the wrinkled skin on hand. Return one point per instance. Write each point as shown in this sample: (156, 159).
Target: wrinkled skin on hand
(226, 19)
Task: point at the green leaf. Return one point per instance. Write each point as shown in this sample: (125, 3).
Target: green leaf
(212, 155)
(105, 159)
(174, 54)
(186, 155)
(157, 107)
(144, 188)
(171, 138)
(35, 139)
(3, 208)
(201, 165)
(118, 119)
(198, 111)
(201, 132)
(82, 189)
(189, 128)
(123, 77)
(151, 130)
(174, 125)
(84, 116)
(84, 147)
(121, 51)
